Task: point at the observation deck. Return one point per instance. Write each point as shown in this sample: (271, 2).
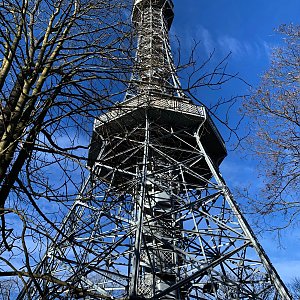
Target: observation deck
(164, 109)
(157, 101)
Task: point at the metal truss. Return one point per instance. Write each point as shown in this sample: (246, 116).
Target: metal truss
(157, 222)
(154, 67)
(155, 219)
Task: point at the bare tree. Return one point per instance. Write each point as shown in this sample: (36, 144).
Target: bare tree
(274, 110)
(6, 288)
(60, 63)
(56, 57)
(294, 287)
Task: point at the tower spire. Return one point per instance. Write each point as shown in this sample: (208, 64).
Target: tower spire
(154, 67)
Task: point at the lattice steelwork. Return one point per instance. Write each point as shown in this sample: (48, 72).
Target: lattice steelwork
(155, 220)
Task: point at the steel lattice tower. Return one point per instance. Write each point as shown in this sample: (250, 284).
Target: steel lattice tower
(155, 219)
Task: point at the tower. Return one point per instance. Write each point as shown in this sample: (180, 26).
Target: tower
(155, 219)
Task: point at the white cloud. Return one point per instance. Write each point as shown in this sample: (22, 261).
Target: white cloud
(230, 44)
(268, 49)
(242, 48)
(206, 38)
(210, 41)
(225, 43)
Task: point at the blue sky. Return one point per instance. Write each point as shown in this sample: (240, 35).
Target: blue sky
(243, 27)
(246, 28)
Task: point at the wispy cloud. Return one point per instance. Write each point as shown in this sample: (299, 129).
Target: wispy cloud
(206, 38)
(240, 48)
(268, 48)
(243, 48)
(230, 44)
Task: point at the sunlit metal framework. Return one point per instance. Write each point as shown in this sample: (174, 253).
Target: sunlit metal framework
(155, 219)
